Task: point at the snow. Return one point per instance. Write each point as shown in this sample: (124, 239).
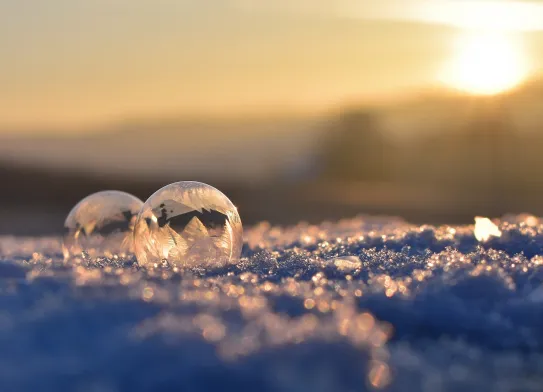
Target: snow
(361, 304)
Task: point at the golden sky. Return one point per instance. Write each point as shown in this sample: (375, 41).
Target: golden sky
(75, 64)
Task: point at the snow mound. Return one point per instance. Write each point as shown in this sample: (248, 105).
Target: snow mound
(359, 304)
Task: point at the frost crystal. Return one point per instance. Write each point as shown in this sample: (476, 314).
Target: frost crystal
(485, 229)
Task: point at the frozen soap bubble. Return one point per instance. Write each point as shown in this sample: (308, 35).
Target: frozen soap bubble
(101, 224)
(188, 224)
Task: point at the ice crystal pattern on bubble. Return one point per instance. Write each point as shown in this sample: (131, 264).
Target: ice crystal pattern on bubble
(101, 224)
(188, 224)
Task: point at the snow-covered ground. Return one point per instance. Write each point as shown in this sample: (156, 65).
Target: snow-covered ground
(360, 304)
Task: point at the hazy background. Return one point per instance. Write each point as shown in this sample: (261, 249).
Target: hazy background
(298, 110)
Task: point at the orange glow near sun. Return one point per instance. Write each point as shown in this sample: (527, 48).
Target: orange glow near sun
(486, 63)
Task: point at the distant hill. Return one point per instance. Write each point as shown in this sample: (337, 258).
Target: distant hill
(438, 158)
(254, 151)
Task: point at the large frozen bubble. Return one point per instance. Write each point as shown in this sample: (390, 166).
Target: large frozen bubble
(188, 224)
(101, 225)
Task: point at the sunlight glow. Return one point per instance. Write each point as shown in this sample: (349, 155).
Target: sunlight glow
(486, 63)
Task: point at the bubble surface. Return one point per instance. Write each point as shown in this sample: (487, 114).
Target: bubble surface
(188, 224)
(101, 225)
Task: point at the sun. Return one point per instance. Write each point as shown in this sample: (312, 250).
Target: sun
(485, 64)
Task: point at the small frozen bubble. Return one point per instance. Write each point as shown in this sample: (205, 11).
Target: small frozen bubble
(101, 225)
(188, 224)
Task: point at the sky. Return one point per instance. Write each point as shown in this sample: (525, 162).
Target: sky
(73, 65)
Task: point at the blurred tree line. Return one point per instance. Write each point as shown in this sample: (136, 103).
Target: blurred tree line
(482, 152)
